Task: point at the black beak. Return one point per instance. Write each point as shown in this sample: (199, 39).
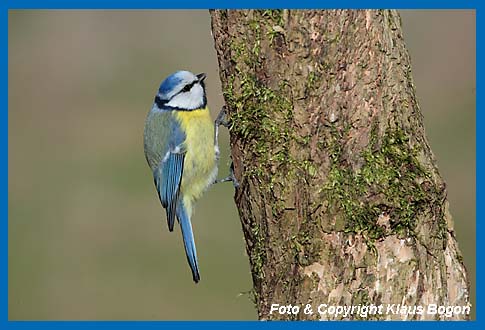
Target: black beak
(201, 77)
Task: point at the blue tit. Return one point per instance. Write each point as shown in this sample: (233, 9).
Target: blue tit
(180, 150)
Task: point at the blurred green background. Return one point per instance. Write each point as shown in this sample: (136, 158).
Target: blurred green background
(87, 235)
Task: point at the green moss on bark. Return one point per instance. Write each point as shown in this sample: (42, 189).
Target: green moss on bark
(391, 183)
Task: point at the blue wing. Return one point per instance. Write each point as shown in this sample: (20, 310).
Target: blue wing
(168, 184)
(168, 175)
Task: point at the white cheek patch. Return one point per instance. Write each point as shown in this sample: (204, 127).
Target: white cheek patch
(188, 100)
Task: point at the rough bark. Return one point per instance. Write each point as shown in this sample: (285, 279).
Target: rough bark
(340, 201)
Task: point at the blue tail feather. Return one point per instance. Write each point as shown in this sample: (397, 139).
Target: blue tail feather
(189, 242)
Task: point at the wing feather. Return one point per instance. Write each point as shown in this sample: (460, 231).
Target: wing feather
(166, 143)
(170, 178)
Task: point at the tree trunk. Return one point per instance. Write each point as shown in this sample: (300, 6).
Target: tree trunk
(340, 199)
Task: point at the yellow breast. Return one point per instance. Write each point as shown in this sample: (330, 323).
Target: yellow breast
(199, 166)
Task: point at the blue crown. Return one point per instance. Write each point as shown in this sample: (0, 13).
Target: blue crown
(172, 81)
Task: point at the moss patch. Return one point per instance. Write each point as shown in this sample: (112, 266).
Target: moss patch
(391, 182)
(260, 114)
(258, 252)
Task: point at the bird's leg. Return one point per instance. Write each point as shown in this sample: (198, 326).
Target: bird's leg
(230, 177)
(221, 120)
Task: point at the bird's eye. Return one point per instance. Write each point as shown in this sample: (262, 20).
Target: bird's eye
(187, 88)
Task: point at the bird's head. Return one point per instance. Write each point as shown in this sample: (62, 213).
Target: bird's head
(182, 90)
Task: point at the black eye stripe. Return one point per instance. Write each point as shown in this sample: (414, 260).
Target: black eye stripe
(189, 86)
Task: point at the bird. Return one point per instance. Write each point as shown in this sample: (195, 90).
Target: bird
(180, 148)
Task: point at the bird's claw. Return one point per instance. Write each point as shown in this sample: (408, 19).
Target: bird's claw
(231, 177)
(221, 118)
